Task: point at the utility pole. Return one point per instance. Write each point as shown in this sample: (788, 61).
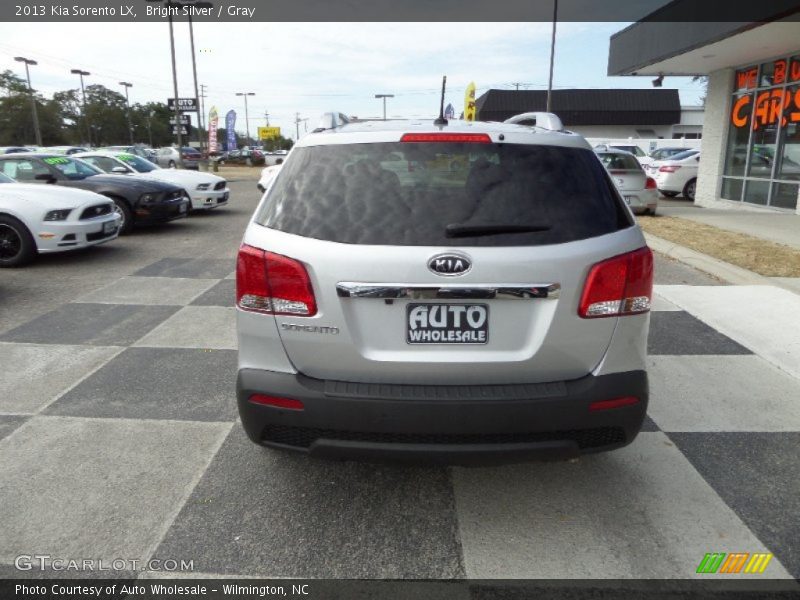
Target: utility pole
(296, 126)
(246, 117)
(384, 96)
(83, 110)
(196, 93)
(175, 89)
(552, 57)
(266, 117)
(36, 130)
(128, 108)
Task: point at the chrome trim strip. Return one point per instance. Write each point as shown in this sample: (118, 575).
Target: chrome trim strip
(478, 291)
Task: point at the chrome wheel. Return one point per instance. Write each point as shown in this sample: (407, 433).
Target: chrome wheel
(121, 213)
(10, 242)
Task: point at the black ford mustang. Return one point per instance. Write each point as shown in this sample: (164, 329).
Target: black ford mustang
(138, 201)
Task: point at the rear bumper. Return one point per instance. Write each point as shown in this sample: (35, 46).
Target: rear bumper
(442, 424)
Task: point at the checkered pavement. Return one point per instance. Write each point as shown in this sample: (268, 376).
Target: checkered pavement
(119, 438)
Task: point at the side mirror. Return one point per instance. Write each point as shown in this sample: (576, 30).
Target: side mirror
(46, 177)
(121, 170)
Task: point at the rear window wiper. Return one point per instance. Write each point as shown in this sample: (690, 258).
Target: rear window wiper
(477, 229)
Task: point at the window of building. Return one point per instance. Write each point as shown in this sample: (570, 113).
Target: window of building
(762, 154)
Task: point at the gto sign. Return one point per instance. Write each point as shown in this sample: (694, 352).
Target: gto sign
(768, 107)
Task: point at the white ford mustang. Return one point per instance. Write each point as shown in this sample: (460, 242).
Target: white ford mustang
(205, 190)
(49, 218)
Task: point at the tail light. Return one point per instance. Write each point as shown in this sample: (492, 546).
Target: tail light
(473, 138)
(290, 403)
(615, 403)
(273, 284)
(650, 184)
(669, 168)
(619, 286)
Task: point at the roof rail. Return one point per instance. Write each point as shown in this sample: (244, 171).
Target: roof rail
(331, 120)
(544, 120)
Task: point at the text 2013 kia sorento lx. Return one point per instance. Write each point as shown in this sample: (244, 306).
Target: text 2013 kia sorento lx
(460, 293)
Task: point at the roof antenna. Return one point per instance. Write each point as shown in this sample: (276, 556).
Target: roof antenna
(441, 120)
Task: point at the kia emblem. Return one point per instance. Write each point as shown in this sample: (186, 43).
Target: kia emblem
(449, 264)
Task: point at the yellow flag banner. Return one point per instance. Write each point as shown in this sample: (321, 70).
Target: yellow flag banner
(469, 102)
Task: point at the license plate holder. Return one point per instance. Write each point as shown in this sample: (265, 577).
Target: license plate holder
(450, 324)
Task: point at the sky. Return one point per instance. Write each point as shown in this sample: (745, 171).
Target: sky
(312, 68)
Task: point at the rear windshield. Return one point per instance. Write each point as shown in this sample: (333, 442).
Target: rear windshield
(616, 161)
(443, 194)
(684, 154)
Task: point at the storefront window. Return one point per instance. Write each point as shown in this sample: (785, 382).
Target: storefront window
(784, 195)
(756, 192)
(732, 188)
(739, 135)
(762, 159)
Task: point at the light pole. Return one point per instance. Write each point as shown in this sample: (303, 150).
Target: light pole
(552, 56)
(246, 117)
(196, 93)
(149, 126)
(384, 97)
(83, 93)
(126, 85)
(175, 88)
(36, 129)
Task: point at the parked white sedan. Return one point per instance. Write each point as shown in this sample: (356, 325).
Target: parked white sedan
(638, 190)
(206, 191)
(48, 218)
(677, 175)
(267, 175)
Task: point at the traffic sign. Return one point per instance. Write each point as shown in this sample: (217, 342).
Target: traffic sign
(184, 104)
(185, 120)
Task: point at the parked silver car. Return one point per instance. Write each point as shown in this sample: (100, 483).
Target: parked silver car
(169, 158)
(392, 307)
(639, 191)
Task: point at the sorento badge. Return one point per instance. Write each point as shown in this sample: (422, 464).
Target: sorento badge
(450, 265)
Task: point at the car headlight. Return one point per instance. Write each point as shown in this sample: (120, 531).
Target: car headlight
(58, 215)
(148, 198)
(202, 187)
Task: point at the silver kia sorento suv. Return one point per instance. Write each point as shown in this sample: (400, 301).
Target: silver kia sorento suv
(460, 293)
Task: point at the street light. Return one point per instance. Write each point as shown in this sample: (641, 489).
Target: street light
(36, 129)
(83, 92)
(384, 96)
(128, 108)
(246, 117)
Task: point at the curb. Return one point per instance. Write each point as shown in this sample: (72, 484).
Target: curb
(713, 266)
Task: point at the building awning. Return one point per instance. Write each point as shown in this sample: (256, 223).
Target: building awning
(586, 106)
(685, 47)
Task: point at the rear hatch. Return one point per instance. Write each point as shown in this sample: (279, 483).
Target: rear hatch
(442, 263)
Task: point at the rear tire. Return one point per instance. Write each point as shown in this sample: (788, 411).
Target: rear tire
(123, 209)
(16, 243)
(689, 189)
(171, 164)
(669, 194)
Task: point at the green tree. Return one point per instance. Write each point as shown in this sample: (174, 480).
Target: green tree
(16, 117)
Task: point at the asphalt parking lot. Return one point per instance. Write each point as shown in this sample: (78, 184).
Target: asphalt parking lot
(119, 439)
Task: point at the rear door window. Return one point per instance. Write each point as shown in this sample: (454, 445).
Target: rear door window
(443, 194)
(620, 162)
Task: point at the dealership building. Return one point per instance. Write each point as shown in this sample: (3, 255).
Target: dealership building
(750, 152)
